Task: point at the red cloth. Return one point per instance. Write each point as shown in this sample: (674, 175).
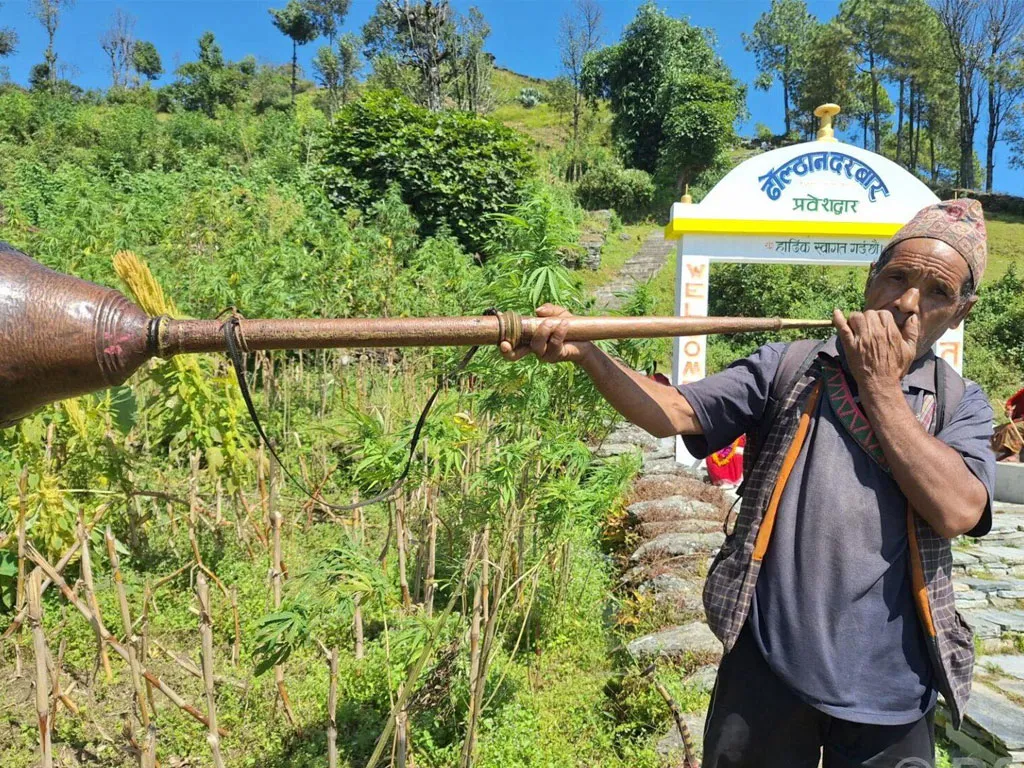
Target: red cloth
(726, 466)
(1015, 406)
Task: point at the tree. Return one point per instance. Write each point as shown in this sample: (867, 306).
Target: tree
(470, 66)
(8, 40)
(666, 87)
(47, 12)
(146, 60)
(204, 84)
(868, 22)
(1004, 22)
(336, 71)
(964, 33)
(779, 42)
(327, 15)
(414, 34)
(828, 74)
(118, 42)
(579, 36)
(297, 23)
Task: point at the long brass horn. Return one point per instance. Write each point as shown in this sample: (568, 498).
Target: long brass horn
(61, 336)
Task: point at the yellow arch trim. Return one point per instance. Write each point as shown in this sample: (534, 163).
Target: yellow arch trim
(679, 227)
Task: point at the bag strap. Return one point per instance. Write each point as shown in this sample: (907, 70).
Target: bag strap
(796, 360)
(949, 391)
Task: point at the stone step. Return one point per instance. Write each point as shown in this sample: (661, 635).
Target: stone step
(678, 545)
(674, 643)
(653, 530)
(672, 508)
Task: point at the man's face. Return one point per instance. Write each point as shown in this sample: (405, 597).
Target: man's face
(923, 277)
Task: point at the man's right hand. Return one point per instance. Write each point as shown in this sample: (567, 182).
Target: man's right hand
(548, 342)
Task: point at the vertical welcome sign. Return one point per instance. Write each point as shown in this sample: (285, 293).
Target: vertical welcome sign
(819, 202)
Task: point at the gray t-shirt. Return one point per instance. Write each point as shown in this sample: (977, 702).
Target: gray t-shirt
(833, 612)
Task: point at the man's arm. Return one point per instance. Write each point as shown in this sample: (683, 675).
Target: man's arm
(934, 477)
(658, 408)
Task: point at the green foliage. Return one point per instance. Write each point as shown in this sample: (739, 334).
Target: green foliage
(208, 82)
(454, 170)
(780, 41)
(146, 60)
(673, 99)
(608, 185)
(530, 97)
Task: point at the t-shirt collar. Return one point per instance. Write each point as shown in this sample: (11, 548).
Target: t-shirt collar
(920, 376)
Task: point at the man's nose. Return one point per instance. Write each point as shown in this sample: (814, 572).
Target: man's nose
(909, 302)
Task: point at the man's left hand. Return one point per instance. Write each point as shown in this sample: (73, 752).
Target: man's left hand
(878, 351)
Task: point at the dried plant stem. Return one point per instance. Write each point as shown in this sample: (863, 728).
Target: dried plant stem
(469, 744)
(90, 596)
(130, 638)
(236, 646)
(206, 635)
(400, 536)
(332, 711)
(357, 610)
(429, 579)
(189, 666)
(35, 619)
(119, 649)
(19, 599)
(147, 596)
(277, 576)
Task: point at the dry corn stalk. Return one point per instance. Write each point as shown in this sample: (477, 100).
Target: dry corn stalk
(35, 619)
(206, 633)
(90, 596)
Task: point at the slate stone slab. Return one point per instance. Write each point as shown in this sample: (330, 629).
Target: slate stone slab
(615, 449)
(694, 637)
(651, 530)
(670, 746)
(674, 508)
(679, 544)
(963, 558)
(1012, 555)
(1010, 685)
(1009, 621)
(984, 585)
(663, 467)
(982, 627)
(1010, 665)
(669, 582)
(971, 599)
(703, 679)
(998, 716)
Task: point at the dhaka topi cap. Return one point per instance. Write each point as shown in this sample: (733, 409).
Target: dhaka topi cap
(959, 223)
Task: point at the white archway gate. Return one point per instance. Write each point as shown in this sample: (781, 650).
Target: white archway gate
(819, 202)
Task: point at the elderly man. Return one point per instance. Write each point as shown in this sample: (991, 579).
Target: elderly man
(832, 595)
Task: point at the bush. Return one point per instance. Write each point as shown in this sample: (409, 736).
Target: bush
(629, 191)
(453, 169)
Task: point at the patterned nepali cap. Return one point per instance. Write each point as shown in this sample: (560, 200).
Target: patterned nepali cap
(958, 223)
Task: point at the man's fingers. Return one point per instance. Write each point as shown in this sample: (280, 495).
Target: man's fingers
(843, 326)
(911, 330)
(539, 342)
(513, 354)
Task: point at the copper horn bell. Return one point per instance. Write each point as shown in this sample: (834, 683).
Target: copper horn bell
(61, 336)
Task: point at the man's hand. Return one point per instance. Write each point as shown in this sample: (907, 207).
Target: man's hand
(548, 343)
(878, 352)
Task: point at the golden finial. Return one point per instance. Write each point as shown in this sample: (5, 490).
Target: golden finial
(825, 113)
(687, 197)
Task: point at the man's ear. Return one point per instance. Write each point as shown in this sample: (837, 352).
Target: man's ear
(963, 311)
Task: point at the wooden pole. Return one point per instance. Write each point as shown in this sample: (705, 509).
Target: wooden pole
(35, 618)
(206, 634)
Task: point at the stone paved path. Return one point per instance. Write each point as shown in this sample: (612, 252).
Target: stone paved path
(677, 519)
(640, 268)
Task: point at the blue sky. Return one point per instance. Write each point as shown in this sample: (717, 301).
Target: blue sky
(523, 38)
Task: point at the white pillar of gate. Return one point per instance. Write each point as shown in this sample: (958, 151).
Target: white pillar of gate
(819, 202)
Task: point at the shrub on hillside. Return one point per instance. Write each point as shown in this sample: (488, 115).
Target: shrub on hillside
(453, 169)
(530, 97)
(609, 185)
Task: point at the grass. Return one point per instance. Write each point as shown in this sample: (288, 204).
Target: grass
(1005, 243)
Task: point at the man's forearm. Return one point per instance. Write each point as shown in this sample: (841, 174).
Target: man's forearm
(932, 476)
(655, 407)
